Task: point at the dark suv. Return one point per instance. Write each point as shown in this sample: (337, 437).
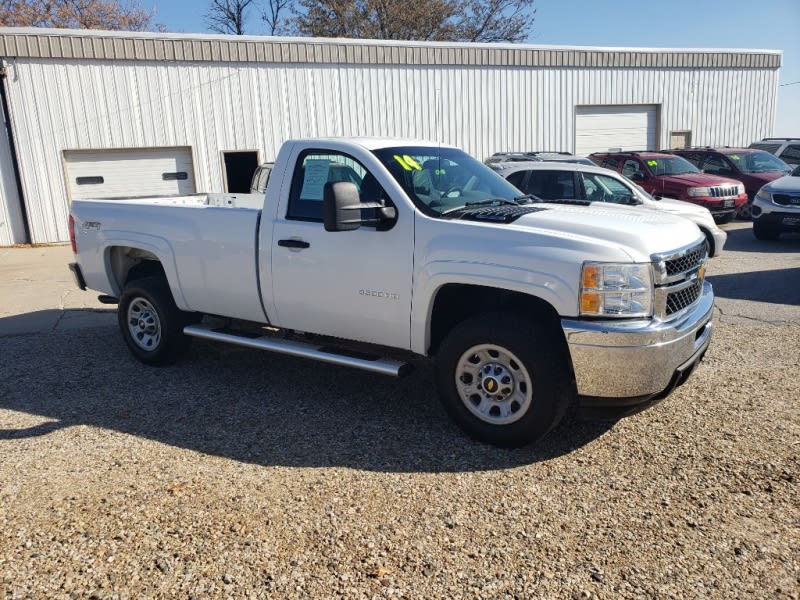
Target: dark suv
(667, 176)
(754, 168)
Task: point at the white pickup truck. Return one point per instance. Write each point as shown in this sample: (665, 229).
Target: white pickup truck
(369, 253)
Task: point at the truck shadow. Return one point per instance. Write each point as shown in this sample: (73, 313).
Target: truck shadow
(777, 287)
(252, 406)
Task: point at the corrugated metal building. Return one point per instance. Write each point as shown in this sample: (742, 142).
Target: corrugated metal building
(185, 113)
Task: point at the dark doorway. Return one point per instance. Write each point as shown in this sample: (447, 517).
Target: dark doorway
(239, 169)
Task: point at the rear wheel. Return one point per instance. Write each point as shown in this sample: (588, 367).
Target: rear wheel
(150, 322)
(765, 232)
(504, 378)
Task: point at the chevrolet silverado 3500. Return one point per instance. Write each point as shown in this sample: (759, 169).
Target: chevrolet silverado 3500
(368, 253)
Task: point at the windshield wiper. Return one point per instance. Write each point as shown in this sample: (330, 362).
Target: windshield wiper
(478, 203)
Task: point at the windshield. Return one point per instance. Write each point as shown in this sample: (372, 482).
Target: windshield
(674, 165)
(758, 162)
(441, 179)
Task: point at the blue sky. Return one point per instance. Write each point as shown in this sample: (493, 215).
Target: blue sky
(763, 24)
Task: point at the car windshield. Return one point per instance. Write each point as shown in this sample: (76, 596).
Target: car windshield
(674, 165)
(758, 162)
(442, 179)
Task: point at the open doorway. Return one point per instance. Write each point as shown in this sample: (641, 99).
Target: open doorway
(239, 169)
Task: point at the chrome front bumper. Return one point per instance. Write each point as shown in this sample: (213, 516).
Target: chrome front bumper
(622, 362)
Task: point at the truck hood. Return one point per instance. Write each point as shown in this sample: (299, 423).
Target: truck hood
(640, 233)
(698, 180)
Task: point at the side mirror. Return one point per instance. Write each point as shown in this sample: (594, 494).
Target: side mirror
(638, 176)
(341, 208)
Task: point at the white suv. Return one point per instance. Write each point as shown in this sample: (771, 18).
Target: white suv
(787, 149)
(582, 183)
(776, 207)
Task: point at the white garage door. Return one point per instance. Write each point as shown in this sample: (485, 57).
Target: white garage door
(129, 173)
(604, 128)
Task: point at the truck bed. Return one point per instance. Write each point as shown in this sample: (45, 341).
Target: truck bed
(208, 242)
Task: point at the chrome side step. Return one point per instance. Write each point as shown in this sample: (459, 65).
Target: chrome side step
(384, 366)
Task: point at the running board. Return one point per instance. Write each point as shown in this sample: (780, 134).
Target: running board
(384, 366)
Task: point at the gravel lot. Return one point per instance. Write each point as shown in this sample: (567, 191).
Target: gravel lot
(244, 474)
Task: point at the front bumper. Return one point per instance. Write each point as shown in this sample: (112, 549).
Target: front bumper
(786, 217)
(626, 363)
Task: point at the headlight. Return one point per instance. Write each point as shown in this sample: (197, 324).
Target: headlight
(698, 191)
(764, 195)
(616, 290)
(740, 189)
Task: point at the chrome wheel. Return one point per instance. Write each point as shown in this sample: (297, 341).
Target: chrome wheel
(493, 384)
(144, 324)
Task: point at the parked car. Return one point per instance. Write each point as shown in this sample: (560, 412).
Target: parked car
(776, 207)
(661, 174)
(579, 182)
(500, 158)
(787, 149)
(752, 167)
(527, 306)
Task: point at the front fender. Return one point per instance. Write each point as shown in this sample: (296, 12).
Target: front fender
(557, 291)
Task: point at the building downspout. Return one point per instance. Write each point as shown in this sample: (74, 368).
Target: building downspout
(14, 160)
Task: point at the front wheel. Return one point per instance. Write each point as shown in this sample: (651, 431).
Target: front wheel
(150, 322)
(504, 378)
(765, 232)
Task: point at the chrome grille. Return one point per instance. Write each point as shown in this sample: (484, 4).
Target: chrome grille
(689, 261)
(719, 191)
(679, 279)
(677, 301)
(786, 199)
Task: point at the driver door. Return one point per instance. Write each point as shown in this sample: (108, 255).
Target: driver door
(348, 284)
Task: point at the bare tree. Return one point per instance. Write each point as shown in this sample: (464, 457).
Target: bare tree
(433, 20)
(76, 14)
(275, 13)
(227, 16)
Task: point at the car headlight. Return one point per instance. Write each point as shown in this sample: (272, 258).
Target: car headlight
(740, 189)
(616, 290)
(764, 195)
(698, 191)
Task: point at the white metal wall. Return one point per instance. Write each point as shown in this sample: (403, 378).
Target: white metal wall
(61, 104)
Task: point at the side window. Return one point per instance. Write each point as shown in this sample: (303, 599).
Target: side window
(517, 179)
(692, 157)
(551, 185)
(715, 165)
(602, 188)
(771, 148)
(630, 167)
(315, 169)
(791, 154)
(610, 163)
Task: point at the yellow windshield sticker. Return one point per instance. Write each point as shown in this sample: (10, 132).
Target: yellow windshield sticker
(412, 163)
(735, 156)
(401, 162)
(652, 163)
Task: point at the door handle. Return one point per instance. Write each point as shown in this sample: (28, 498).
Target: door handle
(293, 244)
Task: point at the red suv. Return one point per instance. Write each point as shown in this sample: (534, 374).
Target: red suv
(669, 176)
(754, 168)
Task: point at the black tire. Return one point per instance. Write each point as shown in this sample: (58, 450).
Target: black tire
(709, 242)
(744, 212)
(542, 378)
(157, 337)
(765, 232)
